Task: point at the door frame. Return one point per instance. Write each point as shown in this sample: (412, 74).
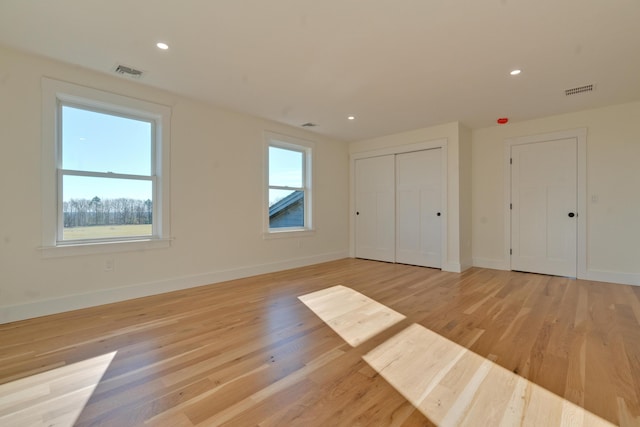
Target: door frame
(400, 149)
(581, 137)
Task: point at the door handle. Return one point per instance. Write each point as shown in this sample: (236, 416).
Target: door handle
(571, 214)
(357, 213)
(438, 214)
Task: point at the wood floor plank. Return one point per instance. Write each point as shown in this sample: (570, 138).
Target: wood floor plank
(249, 352)
(458, 387)
(336, 306)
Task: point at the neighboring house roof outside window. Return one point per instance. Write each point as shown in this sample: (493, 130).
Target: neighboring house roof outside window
(288, 212)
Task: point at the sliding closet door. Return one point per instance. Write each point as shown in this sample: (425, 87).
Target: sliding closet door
(375, 208)
(418, 210)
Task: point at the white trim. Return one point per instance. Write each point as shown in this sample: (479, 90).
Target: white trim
(581, 137)
(283, 233)
(104, 247)
(464, 266)
(452, 267)
(455, 267)
(74, 302)
(307, 149)
(441, 143)
(613, 277)
(111, 175)
(399, 149)
(55, 91)
(494, 264)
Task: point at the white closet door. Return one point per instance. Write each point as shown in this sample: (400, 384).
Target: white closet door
(375, 208)
(544, 204)
(418, 208)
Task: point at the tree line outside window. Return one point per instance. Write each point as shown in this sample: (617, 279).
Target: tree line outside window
(96, 211)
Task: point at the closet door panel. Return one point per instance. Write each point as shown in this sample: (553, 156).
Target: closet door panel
(375, 208)
(418, 208)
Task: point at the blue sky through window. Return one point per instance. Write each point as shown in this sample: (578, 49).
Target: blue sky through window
(98, 142)
(285, 170)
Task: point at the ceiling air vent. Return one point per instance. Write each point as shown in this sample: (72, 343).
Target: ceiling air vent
(308, 125)
(577, 90)
(128, 71)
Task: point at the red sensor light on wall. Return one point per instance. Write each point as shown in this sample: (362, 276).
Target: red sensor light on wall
(502, 120)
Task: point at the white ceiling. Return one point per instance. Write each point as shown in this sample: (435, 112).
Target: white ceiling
(395, 65)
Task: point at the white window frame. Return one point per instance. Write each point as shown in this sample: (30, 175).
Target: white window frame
(306, 148)
(55, 94)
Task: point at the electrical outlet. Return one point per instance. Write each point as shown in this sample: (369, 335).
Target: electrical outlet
(109, 264)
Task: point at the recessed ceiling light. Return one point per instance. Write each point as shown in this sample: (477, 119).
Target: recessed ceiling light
(351, 117)
(515, 72)
(162, 46)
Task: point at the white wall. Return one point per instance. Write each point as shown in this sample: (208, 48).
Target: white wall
(466, 258)
(613, 189)
(216, 162)
(458, 193)
(216, 197)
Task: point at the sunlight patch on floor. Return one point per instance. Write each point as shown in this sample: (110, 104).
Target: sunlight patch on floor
(453, 386)
(53, 398)
(353, 316)
(449, 384)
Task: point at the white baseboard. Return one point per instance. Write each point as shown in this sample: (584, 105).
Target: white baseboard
(455, 267)
(596, 275)
(30, 310)
(452, 267)
(494, 264)
(465, 265)
(612, 277)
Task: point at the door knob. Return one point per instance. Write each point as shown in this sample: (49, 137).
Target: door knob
(571, 214)
(438, 214)
(357, 213)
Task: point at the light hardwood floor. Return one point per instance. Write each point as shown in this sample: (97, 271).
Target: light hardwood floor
(249, 352)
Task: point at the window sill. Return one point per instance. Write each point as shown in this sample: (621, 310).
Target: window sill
(103, 247)
(283, 234)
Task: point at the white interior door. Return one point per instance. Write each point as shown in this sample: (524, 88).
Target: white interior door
(544, 204)
(375, 208)
(418, 210)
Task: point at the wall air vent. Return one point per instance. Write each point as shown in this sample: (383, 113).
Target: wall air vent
(308, 125)
(577, 90)
(128, 71)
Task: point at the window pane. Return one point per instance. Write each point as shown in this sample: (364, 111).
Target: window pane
(285, 167)
(286, 208)
(96, 208)
(98, 142)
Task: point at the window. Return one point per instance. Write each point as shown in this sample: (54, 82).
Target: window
(289, 184)
(105, 172)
